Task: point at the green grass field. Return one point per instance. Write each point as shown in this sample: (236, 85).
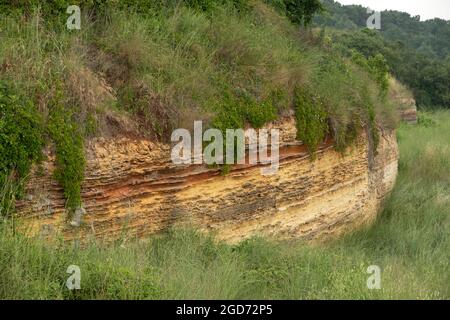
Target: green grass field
(410, 242)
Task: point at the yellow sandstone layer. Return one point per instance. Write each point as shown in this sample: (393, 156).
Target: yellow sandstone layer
(133, 189)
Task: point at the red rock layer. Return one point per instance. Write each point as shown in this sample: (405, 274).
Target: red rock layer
(133, 189)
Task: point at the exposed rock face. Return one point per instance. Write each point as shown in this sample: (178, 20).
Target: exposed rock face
(408, 112)
(404, 100)
(133, 188)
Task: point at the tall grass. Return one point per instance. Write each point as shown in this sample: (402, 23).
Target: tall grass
(171, 66)
(410, 242)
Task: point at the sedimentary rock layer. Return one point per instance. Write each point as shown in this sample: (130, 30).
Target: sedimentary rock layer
(408, 110)
(132, 188)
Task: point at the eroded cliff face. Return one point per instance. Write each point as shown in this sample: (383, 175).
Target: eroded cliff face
(408, 112)
(132, 188)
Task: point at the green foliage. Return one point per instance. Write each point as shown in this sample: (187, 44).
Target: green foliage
(59, 7)
(209, 5)
(427, 77)
(229, 114)
(298, 11)
(424, 119)
(20, 136)
(235, 111)
(374, 135)
(91, 126)
(350, 97)
(70, 160)
(415, 51)
(377, 67)
(380, 71)
(430, 37)
(9, 189)
(258, 114)
(312, 126)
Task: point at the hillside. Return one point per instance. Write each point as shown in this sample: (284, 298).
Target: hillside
(429, 37)
(417, 52)
(144, 69)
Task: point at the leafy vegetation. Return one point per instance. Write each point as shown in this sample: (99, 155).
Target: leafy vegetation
(417, 52)
(409, 242)
(377, 67)
(312, 126)
(298, 11)
(20, 133)
(69, 154)
(53, 8)
(430, 37)
(20, 142)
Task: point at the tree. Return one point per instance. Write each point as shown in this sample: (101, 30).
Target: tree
(298, 11)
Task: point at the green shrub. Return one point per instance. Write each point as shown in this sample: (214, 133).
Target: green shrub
(345, 136)
(377, 67)
(425, 120)
(371, 122)
(352, 97)
(234, 111)
(59, 7)
(312, 126)
(257, 114)
(298, 11)
(380, 71)
(70, 159)
(20, 136)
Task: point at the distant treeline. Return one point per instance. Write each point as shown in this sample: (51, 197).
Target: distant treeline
(418, 52)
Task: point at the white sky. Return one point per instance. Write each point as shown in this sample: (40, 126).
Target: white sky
(427, 9)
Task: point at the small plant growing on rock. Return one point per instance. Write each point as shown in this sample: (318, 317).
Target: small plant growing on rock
(20, 142)
(70, 159)
(312, 126)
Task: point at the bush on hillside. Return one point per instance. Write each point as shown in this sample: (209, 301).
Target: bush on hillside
(70, 159)
(312, 126)
(20, 134)
(298, 11)
(20, 138)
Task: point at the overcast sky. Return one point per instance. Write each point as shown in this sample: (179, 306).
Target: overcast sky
(427, 9)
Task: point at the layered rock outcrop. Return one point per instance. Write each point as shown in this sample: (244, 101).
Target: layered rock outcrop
(404, 100)
(132, 188)
(408, 112)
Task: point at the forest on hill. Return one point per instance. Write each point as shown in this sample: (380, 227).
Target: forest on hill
(417, 52)
(160, 64)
